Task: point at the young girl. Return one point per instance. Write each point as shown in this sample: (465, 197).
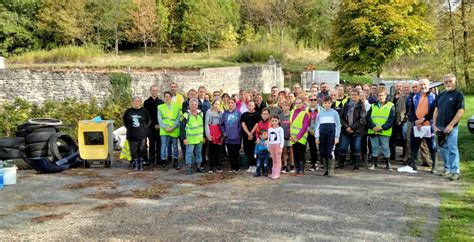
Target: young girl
(275, 144)
(264, 124)
(231, 128)
(328, 129)
(284, 117)
(214, 135)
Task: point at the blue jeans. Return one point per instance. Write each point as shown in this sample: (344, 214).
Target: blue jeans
(380, 141)
(262, 161)
(166, 143)
(354, 141)
(450, 151)
(196, 151)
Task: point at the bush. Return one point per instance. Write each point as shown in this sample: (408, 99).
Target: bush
(61, 54)
(356, 79)
(256, 52)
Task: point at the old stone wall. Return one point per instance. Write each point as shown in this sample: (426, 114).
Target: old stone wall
(40, 85)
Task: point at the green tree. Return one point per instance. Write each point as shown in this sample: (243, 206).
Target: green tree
(17, 20)
(370, 33)
(144, 22)
(66, 21)
(205, 19)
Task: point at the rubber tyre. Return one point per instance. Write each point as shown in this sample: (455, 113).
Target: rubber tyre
(22, 165)
(21, 133)
(38, 137)
(37, 146)
(37, 153)
(12, 142)
(54, 148)
(10, 153)
(44, 129)
(45, 121)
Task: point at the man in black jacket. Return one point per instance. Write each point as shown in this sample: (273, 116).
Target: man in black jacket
(353, 128)
(154, 141)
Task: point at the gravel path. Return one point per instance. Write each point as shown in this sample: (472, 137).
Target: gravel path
(117, 203)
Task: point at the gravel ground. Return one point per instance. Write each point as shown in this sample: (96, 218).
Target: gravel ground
(117, 203)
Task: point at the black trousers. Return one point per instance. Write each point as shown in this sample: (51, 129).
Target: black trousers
(249, 149)
(313, 148)
(299, 151)
(234, 156)
(137, 148)
(215, 156)
(396, 131)
(154, 146)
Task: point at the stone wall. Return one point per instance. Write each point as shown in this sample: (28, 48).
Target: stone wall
(38, 86)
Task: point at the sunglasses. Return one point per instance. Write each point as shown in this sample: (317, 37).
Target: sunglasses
(313, 99)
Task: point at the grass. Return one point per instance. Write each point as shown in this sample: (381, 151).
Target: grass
(457, 210)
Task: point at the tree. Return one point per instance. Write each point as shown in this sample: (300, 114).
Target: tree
(144, 22)
(66, 21)
(205, 19)
(17, 33)
(368, 34)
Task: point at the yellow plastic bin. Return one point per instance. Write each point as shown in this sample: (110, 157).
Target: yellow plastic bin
(96, 142)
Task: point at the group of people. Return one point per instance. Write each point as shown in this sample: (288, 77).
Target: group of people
(209, 128)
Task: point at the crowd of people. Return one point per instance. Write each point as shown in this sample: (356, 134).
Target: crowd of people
(345, 125)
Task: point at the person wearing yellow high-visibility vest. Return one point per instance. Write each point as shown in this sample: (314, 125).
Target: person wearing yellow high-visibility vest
(299, 123)
(168, 118)
(380, 119)
(193, 121)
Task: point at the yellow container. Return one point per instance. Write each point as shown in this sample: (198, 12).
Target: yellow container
(96, 140)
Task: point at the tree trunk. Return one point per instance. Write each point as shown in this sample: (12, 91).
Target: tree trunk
(465, 46)
(208, 37)
(453, 38)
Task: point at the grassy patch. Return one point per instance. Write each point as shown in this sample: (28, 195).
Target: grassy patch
(102, 183)
(40, 206)
(110, 206)
(49, 217)
(457, 210)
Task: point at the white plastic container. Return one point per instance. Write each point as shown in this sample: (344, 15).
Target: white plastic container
(9, 175)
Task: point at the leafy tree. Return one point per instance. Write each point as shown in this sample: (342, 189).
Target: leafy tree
(17, 33)
(66, 21)
(370, 33)
(205, 19)
(144, 22)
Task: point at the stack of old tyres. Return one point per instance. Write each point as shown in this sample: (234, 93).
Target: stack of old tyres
(12, 148)
(43, 139)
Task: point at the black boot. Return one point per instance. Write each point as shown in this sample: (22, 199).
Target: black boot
(326, 165)
(356, 163)
(374, 163)
(164, 167)
(433, 164)
(413, 163)
(176, 164)
(342, 160)
(388, 166)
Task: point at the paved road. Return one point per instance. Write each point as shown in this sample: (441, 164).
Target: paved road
(154, 205)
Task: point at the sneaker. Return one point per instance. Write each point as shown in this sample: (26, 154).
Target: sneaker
(446, 174)
(454, 177)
